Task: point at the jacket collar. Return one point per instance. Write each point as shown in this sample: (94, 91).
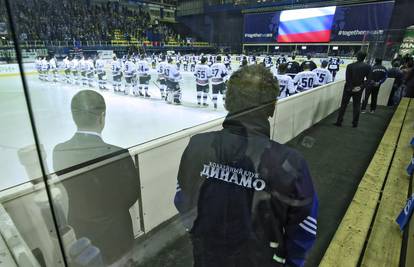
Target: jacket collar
(250, 124)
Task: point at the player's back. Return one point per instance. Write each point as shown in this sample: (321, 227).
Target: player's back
(66, 63)
(161, 69)
(82, 65)
(116, 67)
(129, 68)
(143, 67)
(306, 80)
(89, 65)
(75, 64)
(100, 64)
(286, 86)
(202, 73)
(324, 76)
(52, 63)
(45, 64)
(334, 63)
(218, 72)
(172, 73)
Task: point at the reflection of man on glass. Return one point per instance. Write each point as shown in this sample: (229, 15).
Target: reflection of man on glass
(245, 199)
(99, 198)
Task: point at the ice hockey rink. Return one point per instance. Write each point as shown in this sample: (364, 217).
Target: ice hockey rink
(130, 120)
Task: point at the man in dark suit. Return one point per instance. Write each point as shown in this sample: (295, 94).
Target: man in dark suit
(99, 198)
(356, 74)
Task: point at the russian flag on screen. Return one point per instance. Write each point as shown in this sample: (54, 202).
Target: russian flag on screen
(311, 25)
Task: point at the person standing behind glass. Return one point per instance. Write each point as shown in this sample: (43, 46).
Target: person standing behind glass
(247, 201)
(100, 198)
(355, 76)
(376, 77)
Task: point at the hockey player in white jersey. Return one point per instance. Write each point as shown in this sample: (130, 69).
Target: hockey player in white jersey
(45, 69)
(153, 61)
(286, 85)
(53, 75)
(202, 74)
(74, 66)
(178, 61)
(38, 66)
(161, 76)
(211, 60)
(100, 72)
(186, 62)
(143, 76)
(66, 68)
(82, 69)
(268, 62)
(243, 61)
(227, 61)
(219, 74)
(281, 60)
(193, 63)
(129, 70)
(324, 75)
(116, 68)
(252, 60)
(173, 77)
(306, 79)
(90, 71)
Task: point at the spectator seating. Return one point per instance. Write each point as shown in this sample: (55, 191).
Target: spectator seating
(79, 20)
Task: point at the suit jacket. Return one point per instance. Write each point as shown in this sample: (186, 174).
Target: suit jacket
(355, 75)
(99, 199)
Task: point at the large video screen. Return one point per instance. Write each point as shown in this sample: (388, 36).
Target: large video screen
(342, 23)
(306, 25)
(261, 28)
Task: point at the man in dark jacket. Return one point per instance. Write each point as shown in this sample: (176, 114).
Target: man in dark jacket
(398, 75)
(246, 200)
(376, 77)
(99, 198)
(356, 73)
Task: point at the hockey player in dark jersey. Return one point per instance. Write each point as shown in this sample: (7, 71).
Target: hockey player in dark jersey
(308, 62)
(333, 65)
(247, 201)
(292, 67)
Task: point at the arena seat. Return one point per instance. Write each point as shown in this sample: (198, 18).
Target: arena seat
(368, 234)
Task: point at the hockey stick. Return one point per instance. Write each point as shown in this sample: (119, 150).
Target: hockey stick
(156, 84)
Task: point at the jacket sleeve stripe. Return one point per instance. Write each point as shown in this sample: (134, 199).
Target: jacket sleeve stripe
(307, 229)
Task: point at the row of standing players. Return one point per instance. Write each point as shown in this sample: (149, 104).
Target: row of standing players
(135, 70)
(292, 76)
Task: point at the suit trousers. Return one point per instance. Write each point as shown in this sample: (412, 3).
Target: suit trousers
(356, 102)
(373, 92)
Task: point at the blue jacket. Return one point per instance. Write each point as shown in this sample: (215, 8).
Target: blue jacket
(237, 188)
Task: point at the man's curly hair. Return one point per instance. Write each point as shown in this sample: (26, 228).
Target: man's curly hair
(251, 87)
